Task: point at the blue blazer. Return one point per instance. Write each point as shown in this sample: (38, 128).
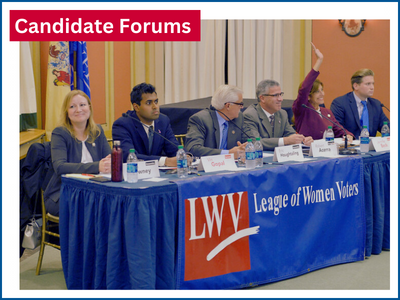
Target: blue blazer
(66, 155)
(345, 110)
(129, 130)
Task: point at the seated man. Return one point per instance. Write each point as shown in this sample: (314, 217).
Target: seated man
(357, 108)
(217, 130)
(135, 129)
(269, 121)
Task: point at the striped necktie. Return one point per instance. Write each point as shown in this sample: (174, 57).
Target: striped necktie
(271, 120)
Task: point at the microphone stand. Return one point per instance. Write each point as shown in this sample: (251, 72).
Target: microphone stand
(344, 151)
(382, 105)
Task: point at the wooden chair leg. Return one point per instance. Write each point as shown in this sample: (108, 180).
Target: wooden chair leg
(42, 245)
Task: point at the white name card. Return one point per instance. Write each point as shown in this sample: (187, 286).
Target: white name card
(146, 169)
(218, 163)
(288, 153)
(380, 144)
(321, 148)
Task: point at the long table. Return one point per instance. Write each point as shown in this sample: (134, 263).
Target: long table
(179, 113)
(127, 236)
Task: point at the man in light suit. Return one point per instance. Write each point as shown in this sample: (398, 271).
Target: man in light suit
(349, 109)
(212, 131)
(135, 129)
(269, 121)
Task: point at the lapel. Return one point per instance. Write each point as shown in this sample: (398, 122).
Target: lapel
(278, 124)
(264, 120)
(370, 115)
(353, 106)
(156, 138)
(214, 118)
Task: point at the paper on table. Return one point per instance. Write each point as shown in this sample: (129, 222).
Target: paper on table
(108, 175)
(155, 179)
(268, 154)
(166, 168)
(80, 176)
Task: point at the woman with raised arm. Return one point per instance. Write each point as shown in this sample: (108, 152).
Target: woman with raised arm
(309, 120)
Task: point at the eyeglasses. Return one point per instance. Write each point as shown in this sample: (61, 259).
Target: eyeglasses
(240, 103)
(274, 95)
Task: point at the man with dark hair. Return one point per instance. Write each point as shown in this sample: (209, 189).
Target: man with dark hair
(135, 129)
(358, 108)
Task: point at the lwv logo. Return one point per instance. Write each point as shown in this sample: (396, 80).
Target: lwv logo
(216, 235)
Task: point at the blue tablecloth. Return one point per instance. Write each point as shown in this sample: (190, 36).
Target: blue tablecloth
(114, 236)
(377, 202)
(124, 236)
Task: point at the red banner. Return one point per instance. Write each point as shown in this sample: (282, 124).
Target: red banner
(102, 25)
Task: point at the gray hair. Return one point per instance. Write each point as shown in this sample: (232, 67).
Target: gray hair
(225, 93)
(264, 86)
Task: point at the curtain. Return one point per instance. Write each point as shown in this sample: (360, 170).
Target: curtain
(254, 53)
(27, 108)
(195, 69)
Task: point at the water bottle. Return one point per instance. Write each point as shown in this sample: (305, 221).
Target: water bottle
(250, 155)
(364, 140)
(259, 152)
(329, 135)
(182, 163)
(385, 131)
(132, 167)
(116, 162)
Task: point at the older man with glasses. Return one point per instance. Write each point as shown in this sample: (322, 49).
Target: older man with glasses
(218, 129)
(269, 121)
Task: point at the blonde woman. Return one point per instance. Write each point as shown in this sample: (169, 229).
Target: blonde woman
(78, 145)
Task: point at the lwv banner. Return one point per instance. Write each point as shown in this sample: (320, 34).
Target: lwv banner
(255, 227)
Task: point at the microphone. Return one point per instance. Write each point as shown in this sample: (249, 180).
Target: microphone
(384, 107)
(213, 108)
(159, 134)
(344, 151)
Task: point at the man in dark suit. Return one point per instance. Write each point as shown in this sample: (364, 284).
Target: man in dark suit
(357, 108)
(135, 129)
(212, 131)
(269, 121)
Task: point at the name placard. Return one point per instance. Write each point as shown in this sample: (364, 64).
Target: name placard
(218, 163)
(288, 153)
(380, 144)
(146, 169)
(321, 148)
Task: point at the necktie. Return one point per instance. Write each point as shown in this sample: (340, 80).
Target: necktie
(151, 133)
(271, 120)
(364, 116)
(224, 141)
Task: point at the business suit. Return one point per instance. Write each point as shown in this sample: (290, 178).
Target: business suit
(203, 134)
(66, 156)
(307, 120)
(129, 130)
(257, 124)
(346, 113)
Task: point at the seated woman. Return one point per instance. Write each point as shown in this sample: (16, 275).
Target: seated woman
(78, 145)
(311, 93)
